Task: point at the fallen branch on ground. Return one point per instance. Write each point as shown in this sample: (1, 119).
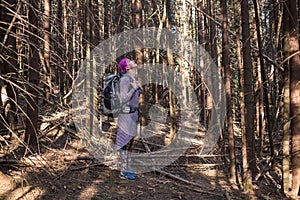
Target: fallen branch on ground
(189, 183)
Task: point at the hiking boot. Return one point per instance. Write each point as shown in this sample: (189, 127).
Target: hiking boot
(128, 174)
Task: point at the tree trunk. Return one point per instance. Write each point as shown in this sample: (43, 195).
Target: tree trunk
(258, 93)
(119, 16)
(137, 8)
(212, 31)
(286, 110)
(239, 106)
(46, 65)
(34, 64)
(265, 85)
(295, 95)
(107, 16)
(59, 50)
(227, 72)
(201, 92)
(248, 134)
(210, 47)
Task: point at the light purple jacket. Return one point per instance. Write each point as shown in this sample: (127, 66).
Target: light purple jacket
(127, 123)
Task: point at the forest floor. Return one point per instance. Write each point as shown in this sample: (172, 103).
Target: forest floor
(59, 173)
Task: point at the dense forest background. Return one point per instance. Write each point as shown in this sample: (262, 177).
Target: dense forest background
(255, 45)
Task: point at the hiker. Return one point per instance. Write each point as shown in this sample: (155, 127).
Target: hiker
(130, 90)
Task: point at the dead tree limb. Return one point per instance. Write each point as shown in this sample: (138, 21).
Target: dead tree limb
(189, 183)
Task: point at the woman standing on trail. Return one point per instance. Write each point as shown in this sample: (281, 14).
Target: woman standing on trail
(130, 90)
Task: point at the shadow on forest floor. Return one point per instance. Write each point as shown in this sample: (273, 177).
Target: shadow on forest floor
(58, 174)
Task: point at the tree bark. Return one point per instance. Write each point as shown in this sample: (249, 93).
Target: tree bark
(34, 65)
(201, 92)
(247, 73)
(59, 50)
(286, 109)
(227, 72)
(46, 65)
(238, 91)
(210, 47)
(119, 16)
(295, 95)
(107, 21)
(136, 9)
(265, 85)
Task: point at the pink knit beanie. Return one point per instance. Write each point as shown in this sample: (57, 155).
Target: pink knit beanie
(122, 66)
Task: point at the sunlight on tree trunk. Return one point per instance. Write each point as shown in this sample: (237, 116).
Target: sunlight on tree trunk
(286, 115)
(292, 47)
(47, 72)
